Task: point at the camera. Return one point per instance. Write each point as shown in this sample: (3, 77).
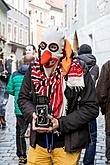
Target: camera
(42, 111)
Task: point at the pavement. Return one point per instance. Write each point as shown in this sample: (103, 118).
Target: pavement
(8, 145)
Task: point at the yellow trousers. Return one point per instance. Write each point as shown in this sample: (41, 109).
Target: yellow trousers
(40, 156)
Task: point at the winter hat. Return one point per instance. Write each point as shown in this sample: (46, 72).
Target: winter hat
(84, 49)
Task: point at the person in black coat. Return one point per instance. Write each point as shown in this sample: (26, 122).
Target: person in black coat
(103, 96)
(85, 54)
(58, 98)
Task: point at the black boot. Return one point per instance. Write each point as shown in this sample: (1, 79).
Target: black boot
(3, 122)
(108, 162)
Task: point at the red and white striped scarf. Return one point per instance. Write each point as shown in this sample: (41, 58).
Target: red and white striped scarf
(42, 83)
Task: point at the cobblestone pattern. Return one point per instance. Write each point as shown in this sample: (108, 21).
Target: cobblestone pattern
(7, 140)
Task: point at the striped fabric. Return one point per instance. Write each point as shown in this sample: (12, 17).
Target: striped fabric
(55, 81)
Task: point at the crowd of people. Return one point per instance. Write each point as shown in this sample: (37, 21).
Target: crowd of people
(57, 95)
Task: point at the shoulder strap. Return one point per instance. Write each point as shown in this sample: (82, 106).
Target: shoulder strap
(91, 68)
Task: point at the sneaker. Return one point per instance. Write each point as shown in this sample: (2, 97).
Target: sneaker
(108, 162)
(22, 160)
(3, 122)
(4, 125)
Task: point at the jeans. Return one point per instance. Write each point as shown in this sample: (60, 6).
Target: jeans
(91, 147)
(21, 127)
(3, 101)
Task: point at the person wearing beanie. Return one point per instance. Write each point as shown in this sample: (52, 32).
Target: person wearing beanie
(85, 54)
(84, 49)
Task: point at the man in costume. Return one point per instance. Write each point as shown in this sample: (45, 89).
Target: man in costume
(58, 98)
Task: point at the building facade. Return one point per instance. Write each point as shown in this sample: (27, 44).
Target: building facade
(91, 22)
(43, 13)
(3, 23)
(17, 28)
(39, 18)
(56, 12)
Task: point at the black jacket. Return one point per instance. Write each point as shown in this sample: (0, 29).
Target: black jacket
(103, 93)
(73, 127)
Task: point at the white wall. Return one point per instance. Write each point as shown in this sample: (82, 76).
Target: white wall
(100, 30)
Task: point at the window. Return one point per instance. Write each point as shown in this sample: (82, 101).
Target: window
(0, 28)
(75, 8)
(9, 32)
(30, 12)
(18, 4)
(32, 37)
(26, 37)
(52, 17)
(20, 35)
(52, 20)
(41, 17)
(26, 11)
(15, 34)
(66, 15)
(3, 29)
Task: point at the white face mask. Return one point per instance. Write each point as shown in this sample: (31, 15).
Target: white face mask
(29, 50)
(51, 49)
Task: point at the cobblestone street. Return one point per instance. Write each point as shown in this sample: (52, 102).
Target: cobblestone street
(7, 140)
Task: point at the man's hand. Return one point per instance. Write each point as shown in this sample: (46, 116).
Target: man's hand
(54, 126)
(54, 122)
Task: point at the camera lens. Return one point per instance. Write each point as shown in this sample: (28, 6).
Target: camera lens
(41, 119)
(42, 112)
